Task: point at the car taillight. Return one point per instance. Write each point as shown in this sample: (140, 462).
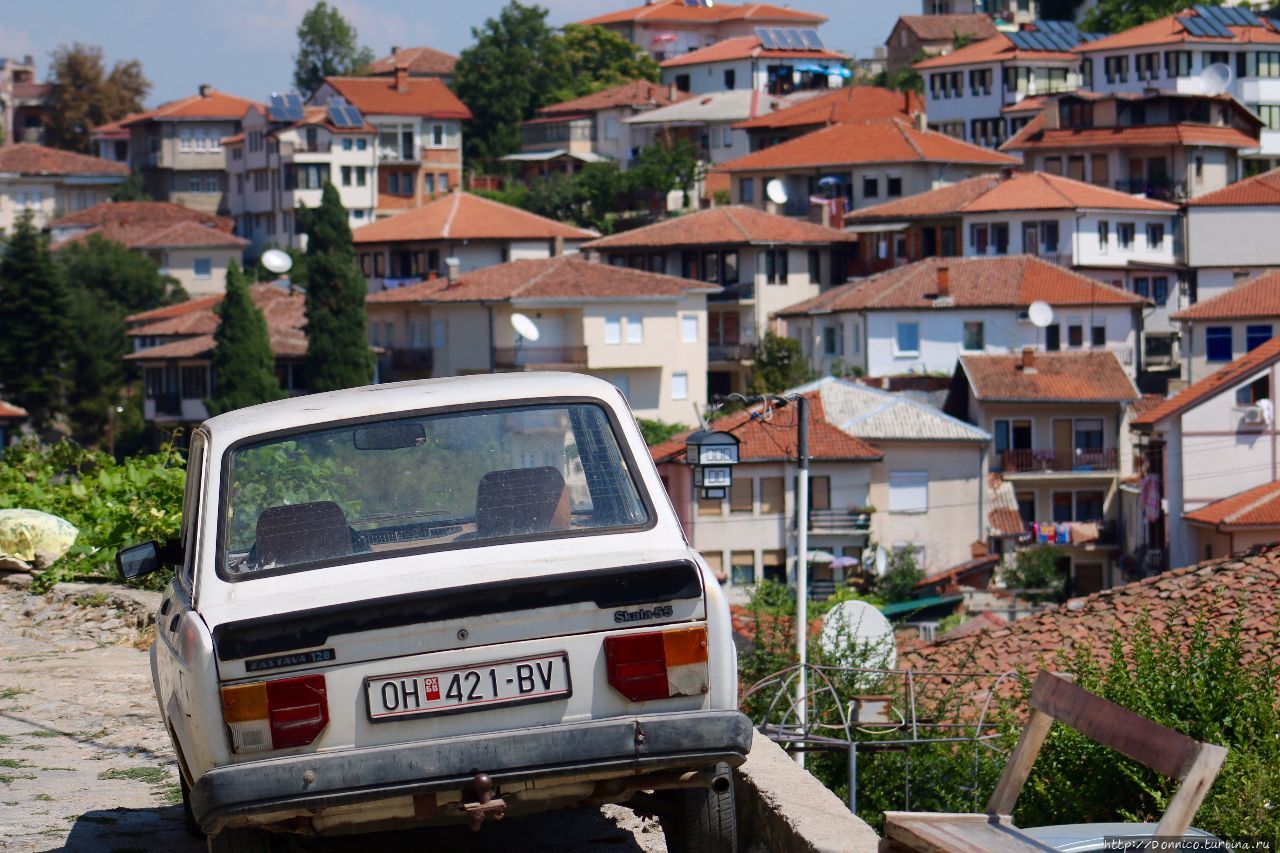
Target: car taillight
(276, 714)
(658, 665)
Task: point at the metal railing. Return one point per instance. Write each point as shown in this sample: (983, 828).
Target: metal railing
(734, 292)
(838, 521)
(1055, 461)
(544, 356)
(731, 352)
(1162, 190)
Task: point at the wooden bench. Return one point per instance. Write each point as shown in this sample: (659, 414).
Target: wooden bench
(1055, 697)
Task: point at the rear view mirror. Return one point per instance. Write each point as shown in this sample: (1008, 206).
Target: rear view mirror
(138, 560)
(389, 436)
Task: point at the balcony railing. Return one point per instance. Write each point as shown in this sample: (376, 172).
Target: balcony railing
(1059, 461)
(734, 292)
(288, 149)
(838, 521)
(1162, 190)
(507, 358)
(731, 352)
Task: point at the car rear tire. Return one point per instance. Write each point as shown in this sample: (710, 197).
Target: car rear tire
(188, 816)
(701, 820)
(241, 841)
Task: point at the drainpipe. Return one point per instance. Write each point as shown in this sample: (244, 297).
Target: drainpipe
(492, 367)
(982, 491)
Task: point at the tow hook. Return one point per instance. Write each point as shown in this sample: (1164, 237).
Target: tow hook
(486, 805)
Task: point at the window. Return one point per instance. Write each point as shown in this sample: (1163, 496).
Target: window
(1155, 235)
(202, 267)
(820, 493)
(437, 135)
(1104, 236)
(193, 183)
(1053, 338)
(832, 343)
(1142, 287)
(907, 341)
(1268, 64)
(973, 340)
(393, 183)
(908, 491)
(1147, 65)
(613, 330)
(1053, 165)
(772, 499)
(1089, 506)
(362, 144)
(1177, 63)
(362, 175)
(689, 328)
(870, 187)
(1075, 333)
(710, 506)
(730, 78)
(775, 266)
(742, 567)
(442, 181)
(184, 140)
(1000, 237)
(1160, 289)
(346, 144)
(1062, 506)
(195, 382)
(635, 329)
(680, 385)
(1098, 334)
(747, 190)
(1256, 336)
(980, 81)
(893, 186)
(1270, 115)
(1217, 343)
(1258, 389)
(741, 493)
(211, 183)
(346, 176)
(1124, 234)
(1116, 69)
(1087, 434)
(978, 238)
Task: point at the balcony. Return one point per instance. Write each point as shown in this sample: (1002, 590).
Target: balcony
(411, 359)
(1103, 533)
(741, 292)
(731, 352)
(539, 358)
(168, 405)
(288, 149)
(1078, 461)
(833, 521)
(1160, 190)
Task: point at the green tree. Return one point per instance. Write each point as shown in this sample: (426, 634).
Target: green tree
(590, 199)
(593, 59)
(780, 365)
(338, 353)
(657, 431)
(1036, 568)
(244, 368)
(84, 94)
(34, 330)
(1112, 16)
(327, 46)
(900, 576)
(131, 189)
(665, 165)
(905, 79)
(512, 69)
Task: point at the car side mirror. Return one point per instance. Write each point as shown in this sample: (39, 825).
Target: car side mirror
(138, 560)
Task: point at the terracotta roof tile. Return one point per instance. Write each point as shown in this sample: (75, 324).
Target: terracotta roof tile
(1031, 138)
(1211, 385)
(1171, 30)
(947, 27)
(117, 129)
(196, 320)
(566, 277)
(425, 96)
(728, 225)
(421, 61)
(678, 12)
(1257, 297)
(1144, 404)
(1261, 189)
(847, 104)
(638, 94)
(998, 48)
(1257, 507)
(1077, 377)
(9, 410)
(176, 235)
(1013, 281)
(27, 158)
(746, 47)
(1018, 191)
(876, 141)
(215, 105)
(152, 213)
(1005, 522)
(463, 216)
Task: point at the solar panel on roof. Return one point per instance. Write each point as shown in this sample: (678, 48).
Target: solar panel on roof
(779, 39)
(336, 117)
(1195, 26)
(812, 39)
(291, 107)
(1020, 41)
(1242, 16)
(766, 39)
(793, 40)
(354, 119)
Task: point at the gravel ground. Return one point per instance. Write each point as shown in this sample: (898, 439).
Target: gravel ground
(85, 764)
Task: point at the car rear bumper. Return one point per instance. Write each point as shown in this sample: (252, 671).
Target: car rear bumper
(620, 745)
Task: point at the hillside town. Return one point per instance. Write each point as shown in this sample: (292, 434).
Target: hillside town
(988, 315)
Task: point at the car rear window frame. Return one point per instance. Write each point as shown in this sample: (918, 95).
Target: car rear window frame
(624, 446)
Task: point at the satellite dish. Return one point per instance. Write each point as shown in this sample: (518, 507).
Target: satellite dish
(857, 634)
(1040, 314)
(1216, 79)
(525, 327)
(277, 261)
(776, 190)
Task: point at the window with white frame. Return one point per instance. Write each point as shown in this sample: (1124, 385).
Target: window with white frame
(613, 330)
(908, 491)
(907, 339)
(832, 342)
(689, 328)
(680, 386)
(635, 329)
(184, 140)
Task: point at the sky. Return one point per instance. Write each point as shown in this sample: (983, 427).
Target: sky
(246, 47)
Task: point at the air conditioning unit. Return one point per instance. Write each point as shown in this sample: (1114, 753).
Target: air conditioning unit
(1255, 415)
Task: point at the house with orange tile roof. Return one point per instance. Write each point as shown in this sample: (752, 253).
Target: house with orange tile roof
(282, 160)
(1223, 328)
(1005, 12)
(176, 148)
(418, 61)
(933, 35)
(762, 261)
(884, 469)
(418, 123)
(49, 181)
(110, 141)
(669, 28)
(194, 248)
(1060, 442)
(967, 89)
(173, 347)
(848, 105)
(1130, 242)
(790, 61)
(1230, 233)
(474, 231)
(1208, 443)
(923, 317)
(1172, 53)
(1167, 145)
(642, 331)
(849, 166)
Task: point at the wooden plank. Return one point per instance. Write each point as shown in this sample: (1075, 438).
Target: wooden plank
(1158, 747)
(1018, 767)
(1184, 805)
(956, 833)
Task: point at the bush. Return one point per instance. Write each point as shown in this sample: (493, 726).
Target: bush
(113, 504)
(900, 577)
(656, 431)
(1036, 568)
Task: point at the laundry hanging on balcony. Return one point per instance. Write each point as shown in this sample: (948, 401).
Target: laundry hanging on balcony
(1065, 532)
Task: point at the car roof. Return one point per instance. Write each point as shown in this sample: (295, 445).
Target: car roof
(415, 395)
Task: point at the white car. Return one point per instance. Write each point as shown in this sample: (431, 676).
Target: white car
(440, 601)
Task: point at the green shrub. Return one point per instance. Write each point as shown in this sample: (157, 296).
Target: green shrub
(656, 431)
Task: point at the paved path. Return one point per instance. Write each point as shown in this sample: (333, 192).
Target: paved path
(85, 764)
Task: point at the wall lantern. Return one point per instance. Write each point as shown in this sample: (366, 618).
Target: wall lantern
(712, 454)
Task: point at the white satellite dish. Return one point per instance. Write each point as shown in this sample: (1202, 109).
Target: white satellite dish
(857, 634)
(525, 327)
(277, 261)
(1040, 314)
(1216, 79)
(776, 190)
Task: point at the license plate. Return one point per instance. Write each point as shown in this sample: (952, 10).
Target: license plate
(476, 687)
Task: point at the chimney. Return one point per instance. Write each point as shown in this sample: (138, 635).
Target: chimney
(1028, 364)
(944, 282)
(402, 77)
(451, 268)
(922, 121)
(557, 246)
(205, 90)
(671, 92)
(395, 48)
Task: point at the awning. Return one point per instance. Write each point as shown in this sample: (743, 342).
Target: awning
(877, 227)
(544, 156)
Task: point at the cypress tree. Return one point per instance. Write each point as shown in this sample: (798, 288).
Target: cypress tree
(338, 354)
(244, 368)
(34, 325)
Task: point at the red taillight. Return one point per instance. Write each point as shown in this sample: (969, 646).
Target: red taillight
(658, 665)
(278, 714)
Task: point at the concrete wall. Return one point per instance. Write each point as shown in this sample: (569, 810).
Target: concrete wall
(1232, 237)
(916, 178)
(47, 198)
(1194, 346)
(180, 263)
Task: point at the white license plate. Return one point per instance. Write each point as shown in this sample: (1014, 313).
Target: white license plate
(476, 687)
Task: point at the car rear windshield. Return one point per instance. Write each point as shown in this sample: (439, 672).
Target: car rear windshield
(425, 482)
